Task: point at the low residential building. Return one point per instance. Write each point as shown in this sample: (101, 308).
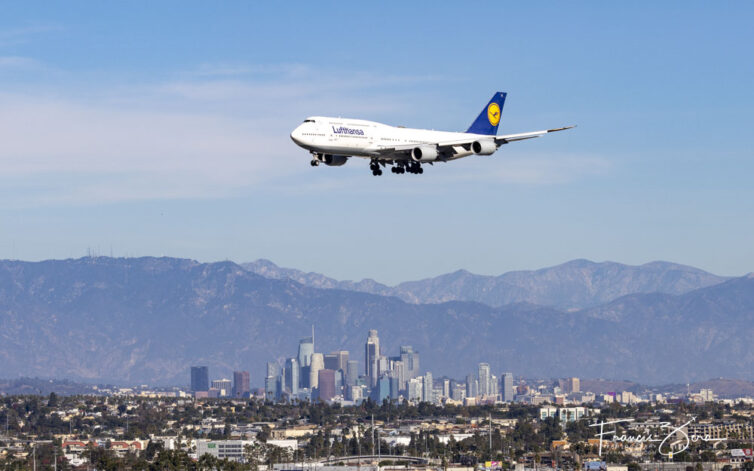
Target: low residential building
(222, 449)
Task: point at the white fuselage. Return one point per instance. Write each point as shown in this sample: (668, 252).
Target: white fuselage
(361, 138)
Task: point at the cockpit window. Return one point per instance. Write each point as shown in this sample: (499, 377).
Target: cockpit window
(308, 120)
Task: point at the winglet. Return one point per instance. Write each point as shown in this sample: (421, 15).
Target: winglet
(563, 128)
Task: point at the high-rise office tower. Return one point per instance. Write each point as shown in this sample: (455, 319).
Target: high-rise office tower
(410, 359)
(398, 370)
(270, 386)
(326, 384)
(394, 385)
(352, 372)
(427, 388)
(199, 378)
(337, 360)
(318, 363)
(279, 387)
(483, 375)
(446, 388)
(305, 351)
(291, 375)
(343, 357)
(331, 361)
(507, 387)
(382, 390)
(493, 385)
(415, 386)
(458, 391)
(272, 368)
(303, 377)
(371, 357)
(223, 386)
(241, 382)
(383, 365)
(469, 385)
(339, 382)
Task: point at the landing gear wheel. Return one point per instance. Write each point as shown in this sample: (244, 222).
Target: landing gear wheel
(314, 162)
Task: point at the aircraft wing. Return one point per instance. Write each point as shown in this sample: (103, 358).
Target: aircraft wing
(500, 140)
(454, 149)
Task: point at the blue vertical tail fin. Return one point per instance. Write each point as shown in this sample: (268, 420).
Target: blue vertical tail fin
(489, 118)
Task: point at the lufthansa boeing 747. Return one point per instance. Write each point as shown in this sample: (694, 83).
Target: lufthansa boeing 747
(332, 141)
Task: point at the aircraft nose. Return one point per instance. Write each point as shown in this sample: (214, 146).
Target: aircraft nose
(296, 136)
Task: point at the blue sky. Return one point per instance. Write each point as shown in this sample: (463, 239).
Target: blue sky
(161, 128)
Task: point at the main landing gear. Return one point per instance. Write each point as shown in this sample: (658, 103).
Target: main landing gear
(375, 167)
(410, 167)
(398, 167)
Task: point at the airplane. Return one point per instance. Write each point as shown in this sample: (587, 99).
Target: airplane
(332, 141)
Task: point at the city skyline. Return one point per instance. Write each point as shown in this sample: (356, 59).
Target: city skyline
(312, 376)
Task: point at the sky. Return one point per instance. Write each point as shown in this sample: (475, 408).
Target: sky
(162, 128)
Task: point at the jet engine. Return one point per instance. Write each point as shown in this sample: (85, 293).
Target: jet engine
(424, 154)
(334, 160)
(483, 147)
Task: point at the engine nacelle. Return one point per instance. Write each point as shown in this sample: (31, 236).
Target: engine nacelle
(424, 154)
(334, 160)
(484, 147)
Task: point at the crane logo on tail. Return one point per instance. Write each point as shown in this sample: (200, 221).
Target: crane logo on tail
(493, 113)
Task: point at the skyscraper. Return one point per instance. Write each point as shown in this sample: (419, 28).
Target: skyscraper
(270, 384)
(318, 363)
(199, 378)
(382, 390)
(223, 386)
(507, 387)
(398, 370)
(470, 386)
(305, 351)
(272, 368)
(371, 357)
(483, 375)
(291, 375)
(331, 361)
(427, 388)
(326, 384)
(410, 359)
(241, 385)
(415, 386)
(337, 360)
(352, 372)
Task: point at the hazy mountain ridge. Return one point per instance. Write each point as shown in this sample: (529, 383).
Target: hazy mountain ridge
(149, 319)
(572, 285)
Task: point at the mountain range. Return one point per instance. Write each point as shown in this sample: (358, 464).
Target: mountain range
(126, 320)
(572, 285)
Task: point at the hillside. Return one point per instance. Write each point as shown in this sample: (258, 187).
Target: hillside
(148, 319)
